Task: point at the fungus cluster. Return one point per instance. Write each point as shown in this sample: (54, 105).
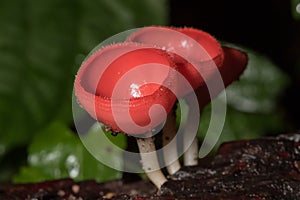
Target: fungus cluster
(132, 86)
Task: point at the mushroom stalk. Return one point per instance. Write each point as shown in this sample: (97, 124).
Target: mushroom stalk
(190, 156)
(150, 162)
(170, 153)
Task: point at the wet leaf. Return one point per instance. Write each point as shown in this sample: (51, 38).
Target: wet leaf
(57, 152)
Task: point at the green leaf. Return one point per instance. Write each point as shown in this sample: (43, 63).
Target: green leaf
(57, 152)
(102, 146)
(259, 87)
(36, 58)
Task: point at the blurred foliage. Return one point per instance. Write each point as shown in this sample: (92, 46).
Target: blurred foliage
(253, 101)
(295, 7)
(42, 44)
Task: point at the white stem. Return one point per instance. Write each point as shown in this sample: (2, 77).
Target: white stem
(170, 153)
(190, 156)
(150, 162)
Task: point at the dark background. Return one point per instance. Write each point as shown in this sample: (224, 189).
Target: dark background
(266, 26)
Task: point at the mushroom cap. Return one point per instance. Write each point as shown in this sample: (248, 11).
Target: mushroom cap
(196, 53)
(120, 85)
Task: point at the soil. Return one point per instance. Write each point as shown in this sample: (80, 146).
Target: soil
(266, 168)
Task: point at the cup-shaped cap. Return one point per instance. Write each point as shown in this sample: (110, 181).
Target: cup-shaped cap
(128, 87)
(196, 53)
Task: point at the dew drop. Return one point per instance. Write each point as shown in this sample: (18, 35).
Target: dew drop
(73, 166)
(113, 133)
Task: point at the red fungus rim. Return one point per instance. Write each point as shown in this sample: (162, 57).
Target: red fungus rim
(193, 33)
(212, 43)
(94, 104)
(211, 60)
(170, 78)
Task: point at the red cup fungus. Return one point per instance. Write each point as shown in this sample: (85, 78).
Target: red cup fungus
(139, 87)
(119, 84)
